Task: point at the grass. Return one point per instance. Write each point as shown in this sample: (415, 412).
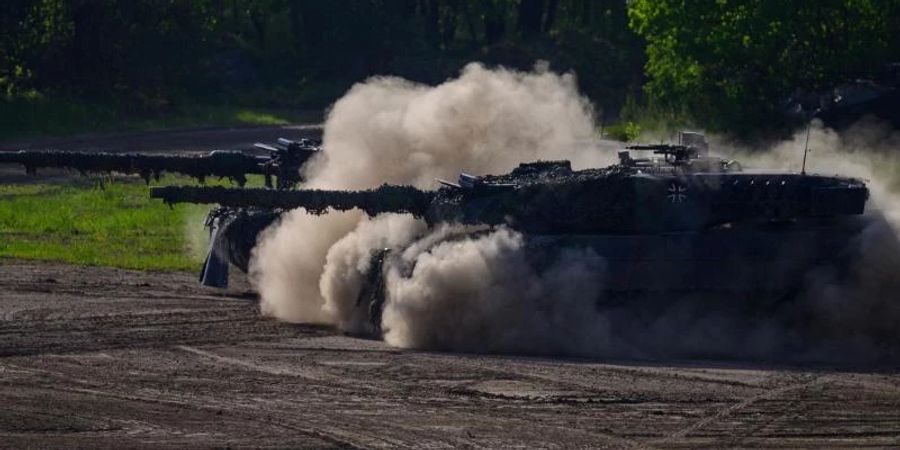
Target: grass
(118, 225)
(37, 115)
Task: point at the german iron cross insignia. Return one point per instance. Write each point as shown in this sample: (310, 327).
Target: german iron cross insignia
(677, 193)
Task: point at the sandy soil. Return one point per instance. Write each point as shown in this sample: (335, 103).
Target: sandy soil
(98, 357)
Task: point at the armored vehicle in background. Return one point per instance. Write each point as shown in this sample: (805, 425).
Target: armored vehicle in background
(281, 162)
(844, 104)
(668, 219)
(280, 165)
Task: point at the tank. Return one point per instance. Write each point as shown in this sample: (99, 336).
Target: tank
(668, 219)
(232, 231)
(280, 163)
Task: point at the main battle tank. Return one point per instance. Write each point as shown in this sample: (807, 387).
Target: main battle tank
(282, 162)
(280, 165)
(668, 219)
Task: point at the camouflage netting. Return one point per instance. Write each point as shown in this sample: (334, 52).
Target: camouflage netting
(399, 199)
(232, 165)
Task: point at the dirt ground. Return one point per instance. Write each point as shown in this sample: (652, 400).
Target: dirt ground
(108, 358)
(98, 357)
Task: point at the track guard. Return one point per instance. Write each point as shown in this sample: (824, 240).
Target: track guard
(215, 268)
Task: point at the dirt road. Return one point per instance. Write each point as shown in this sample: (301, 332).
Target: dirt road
(96, 357)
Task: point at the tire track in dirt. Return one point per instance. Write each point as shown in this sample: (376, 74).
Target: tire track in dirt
(184, 370)
(807, 382)
(301, 372)
(62, 383)
(410, 436)
(214, 409)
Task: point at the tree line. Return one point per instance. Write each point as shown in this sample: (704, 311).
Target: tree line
(719, 61)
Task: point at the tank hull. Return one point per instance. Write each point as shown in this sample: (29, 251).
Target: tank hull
(773, 258)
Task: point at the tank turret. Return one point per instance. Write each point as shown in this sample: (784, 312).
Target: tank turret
(677, 190)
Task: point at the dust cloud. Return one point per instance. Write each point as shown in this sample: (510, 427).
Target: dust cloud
(389, 130)
(347, 264)
(288, 262)
(478, 290)
(480, 294)
(852, 313)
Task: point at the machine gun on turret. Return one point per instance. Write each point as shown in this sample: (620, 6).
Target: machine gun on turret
(283, 162)
(674, 154)
(691, 145)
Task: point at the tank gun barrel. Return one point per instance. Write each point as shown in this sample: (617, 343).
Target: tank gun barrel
(387, 198)
(679, 153)
(234, 165)
(284, 162)
(668, 148)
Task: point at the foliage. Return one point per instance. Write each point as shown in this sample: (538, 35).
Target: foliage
(623, 131)
(729, 63)
(653, 120)
(152, 54)
(732, 63)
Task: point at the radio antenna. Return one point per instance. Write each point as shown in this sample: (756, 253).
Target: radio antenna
(806, 148)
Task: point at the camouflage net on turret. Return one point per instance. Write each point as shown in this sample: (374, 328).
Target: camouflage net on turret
(385, 199)
(232, 165)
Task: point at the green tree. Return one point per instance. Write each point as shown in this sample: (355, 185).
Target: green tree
(148, 55)
(731, 63)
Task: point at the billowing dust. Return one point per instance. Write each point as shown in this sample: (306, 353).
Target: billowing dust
(455, 288)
